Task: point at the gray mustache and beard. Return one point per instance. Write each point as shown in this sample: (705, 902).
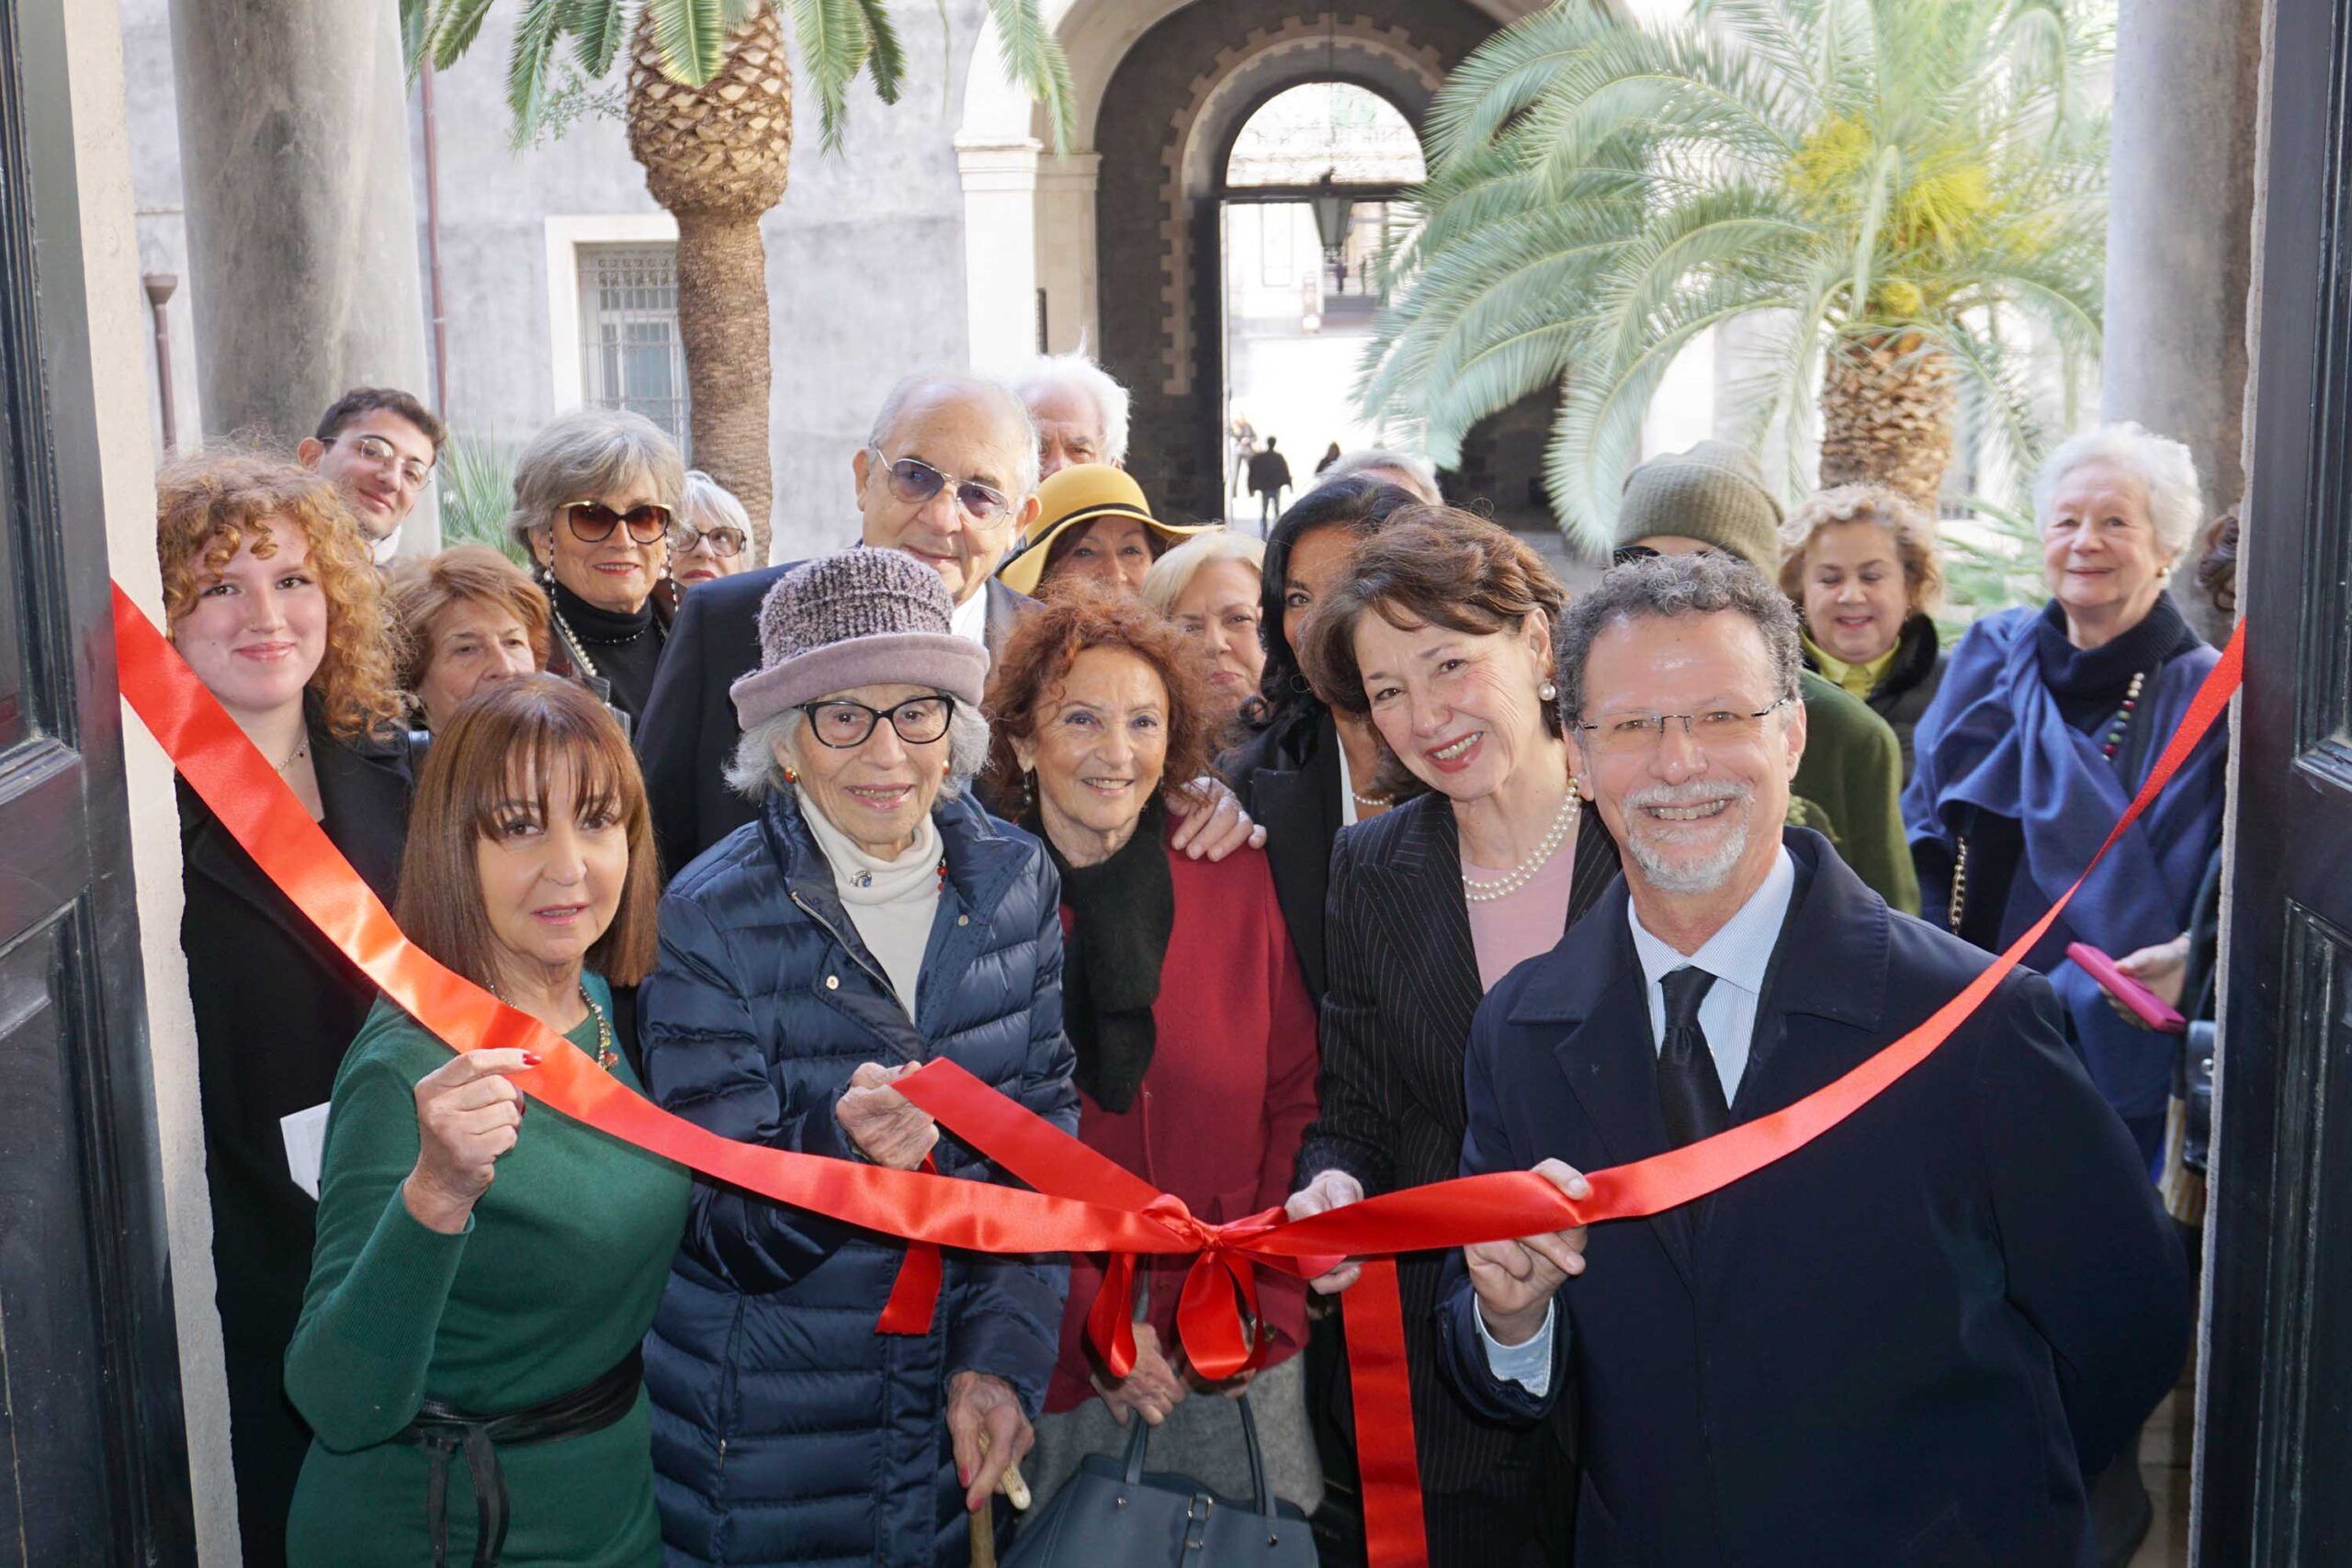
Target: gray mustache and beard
(1643, 833)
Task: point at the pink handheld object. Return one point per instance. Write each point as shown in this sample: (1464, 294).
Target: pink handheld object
(2151, 1008)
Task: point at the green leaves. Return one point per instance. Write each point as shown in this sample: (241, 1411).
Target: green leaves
(1600, 194)
(839, 40)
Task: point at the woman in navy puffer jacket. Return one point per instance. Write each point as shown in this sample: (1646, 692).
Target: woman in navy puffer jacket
(785, 1430)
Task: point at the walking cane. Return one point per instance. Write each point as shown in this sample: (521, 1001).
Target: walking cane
(983, 1523)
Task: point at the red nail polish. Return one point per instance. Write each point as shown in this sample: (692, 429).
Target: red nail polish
(530, 1058)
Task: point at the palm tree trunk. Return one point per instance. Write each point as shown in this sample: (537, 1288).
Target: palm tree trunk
(723, 323)
(1886, 415)
(718, 155)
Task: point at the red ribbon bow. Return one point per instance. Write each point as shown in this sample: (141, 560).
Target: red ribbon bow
(1083, 1201)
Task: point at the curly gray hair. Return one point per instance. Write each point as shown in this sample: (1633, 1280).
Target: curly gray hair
(1077, 373)
(756, 770)
(1666, 587)
(2176, 501)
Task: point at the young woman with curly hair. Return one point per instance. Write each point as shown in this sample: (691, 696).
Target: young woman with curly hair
(270, 596)
(1193, 1033)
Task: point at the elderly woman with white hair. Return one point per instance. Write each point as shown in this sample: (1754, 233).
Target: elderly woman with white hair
(711, 535)
(1210, 587)
(2047, 722)
(872, 918)
(596, 491)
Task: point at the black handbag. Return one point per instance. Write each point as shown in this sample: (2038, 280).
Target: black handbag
(1114, 1511)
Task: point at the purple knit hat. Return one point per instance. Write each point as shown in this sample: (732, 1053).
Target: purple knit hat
(865, 617)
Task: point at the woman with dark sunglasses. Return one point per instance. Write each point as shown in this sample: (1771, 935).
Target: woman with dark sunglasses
(597, 493)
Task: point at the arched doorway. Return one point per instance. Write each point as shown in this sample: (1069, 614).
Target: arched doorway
(1304, 198)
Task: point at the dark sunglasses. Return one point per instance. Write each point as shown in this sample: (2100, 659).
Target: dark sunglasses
(592, 522)
(843, 724)
(724, 543)
(914, 482)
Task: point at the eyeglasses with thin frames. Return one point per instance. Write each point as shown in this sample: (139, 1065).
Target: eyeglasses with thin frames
(914, 482)
(592, 522)
(845, 724)
(1629, 734)
(724, 542)
(383, 453)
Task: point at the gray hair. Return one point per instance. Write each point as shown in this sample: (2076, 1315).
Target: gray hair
(1420, 470)
(1168, 577)
(1666, 587)
(912, 389)
(2176, 501)
(706, 497)
(1077, 373)
(585, 454)
(756, 770)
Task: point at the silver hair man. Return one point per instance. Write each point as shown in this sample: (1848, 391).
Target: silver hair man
(1080, 413)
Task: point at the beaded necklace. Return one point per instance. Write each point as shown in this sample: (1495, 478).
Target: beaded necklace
(1482, 891)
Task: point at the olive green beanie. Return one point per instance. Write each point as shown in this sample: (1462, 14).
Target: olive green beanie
(1715, 493)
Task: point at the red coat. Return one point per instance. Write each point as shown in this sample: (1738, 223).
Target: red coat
(1230, 1089)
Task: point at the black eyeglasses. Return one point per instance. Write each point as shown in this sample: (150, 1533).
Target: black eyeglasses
(843, 725)
(724, 542)
(592, 522)
(914, 482)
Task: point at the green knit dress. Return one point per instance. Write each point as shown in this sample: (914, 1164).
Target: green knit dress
(551, 1283)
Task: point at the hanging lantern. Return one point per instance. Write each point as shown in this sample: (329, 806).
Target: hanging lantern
(1332, 212)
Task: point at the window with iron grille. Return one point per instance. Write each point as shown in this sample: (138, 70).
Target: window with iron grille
(630, 353)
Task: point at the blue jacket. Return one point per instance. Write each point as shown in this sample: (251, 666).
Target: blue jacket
(1905, 1343)
(784, 1429)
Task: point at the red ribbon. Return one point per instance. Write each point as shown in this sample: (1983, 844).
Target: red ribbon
(1084, 1202)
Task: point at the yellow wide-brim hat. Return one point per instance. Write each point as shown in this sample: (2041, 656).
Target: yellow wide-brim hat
(1078, 495)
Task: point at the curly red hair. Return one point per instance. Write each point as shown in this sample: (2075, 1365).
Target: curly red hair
(208, 507)
(1078, 616)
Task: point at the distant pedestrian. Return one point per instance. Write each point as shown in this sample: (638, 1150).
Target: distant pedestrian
(1269, 477)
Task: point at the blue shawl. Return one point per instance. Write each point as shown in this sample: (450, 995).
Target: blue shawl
(1995, 740)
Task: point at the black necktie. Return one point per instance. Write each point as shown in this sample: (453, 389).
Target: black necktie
(1690, 1090)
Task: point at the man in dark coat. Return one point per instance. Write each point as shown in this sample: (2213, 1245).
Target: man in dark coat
(943, 446)
(1906, 1342)
(1269, 477)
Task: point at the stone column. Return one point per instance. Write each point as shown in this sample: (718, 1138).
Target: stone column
(1066, 266)
(2180, 227)
(303, 252)
(999, 249)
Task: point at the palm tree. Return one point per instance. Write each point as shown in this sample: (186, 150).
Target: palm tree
(710, 106)
(1895, 194)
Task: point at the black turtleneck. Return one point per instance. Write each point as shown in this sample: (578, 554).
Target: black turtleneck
(2089, 683)
(625, 646)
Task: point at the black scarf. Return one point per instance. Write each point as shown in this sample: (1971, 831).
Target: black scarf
(2090, 682)
(1121, 913)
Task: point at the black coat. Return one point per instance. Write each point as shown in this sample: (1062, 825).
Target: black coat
(1287, 778)
(1906, 1342)
(1403, 988)
(276, 1005)
(687, 734)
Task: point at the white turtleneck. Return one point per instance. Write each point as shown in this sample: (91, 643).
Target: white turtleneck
(891, 902)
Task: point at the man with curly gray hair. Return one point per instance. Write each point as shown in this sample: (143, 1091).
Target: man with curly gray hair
(1910, 1338)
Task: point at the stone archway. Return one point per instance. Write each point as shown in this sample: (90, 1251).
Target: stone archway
(1167, 118)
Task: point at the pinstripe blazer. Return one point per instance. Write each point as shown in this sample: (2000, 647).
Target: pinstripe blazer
(1402, 985)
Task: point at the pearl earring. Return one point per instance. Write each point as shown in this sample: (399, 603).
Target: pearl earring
(1548, 692)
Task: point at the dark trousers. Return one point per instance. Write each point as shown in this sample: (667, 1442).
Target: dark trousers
(1522, 1516)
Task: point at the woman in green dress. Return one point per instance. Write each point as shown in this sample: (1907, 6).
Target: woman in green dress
(468, 1351)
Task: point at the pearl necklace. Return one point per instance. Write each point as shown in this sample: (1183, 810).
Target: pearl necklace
(1478, 891)
(1372, 802)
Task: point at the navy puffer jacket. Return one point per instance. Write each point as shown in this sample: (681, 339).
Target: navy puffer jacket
(785, 1430)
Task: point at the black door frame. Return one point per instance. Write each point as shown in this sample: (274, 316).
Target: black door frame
(71, 771)
(2274, 1381)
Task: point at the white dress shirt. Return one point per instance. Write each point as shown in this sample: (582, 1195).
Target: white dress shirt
(970, 618)
(1739, 955)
